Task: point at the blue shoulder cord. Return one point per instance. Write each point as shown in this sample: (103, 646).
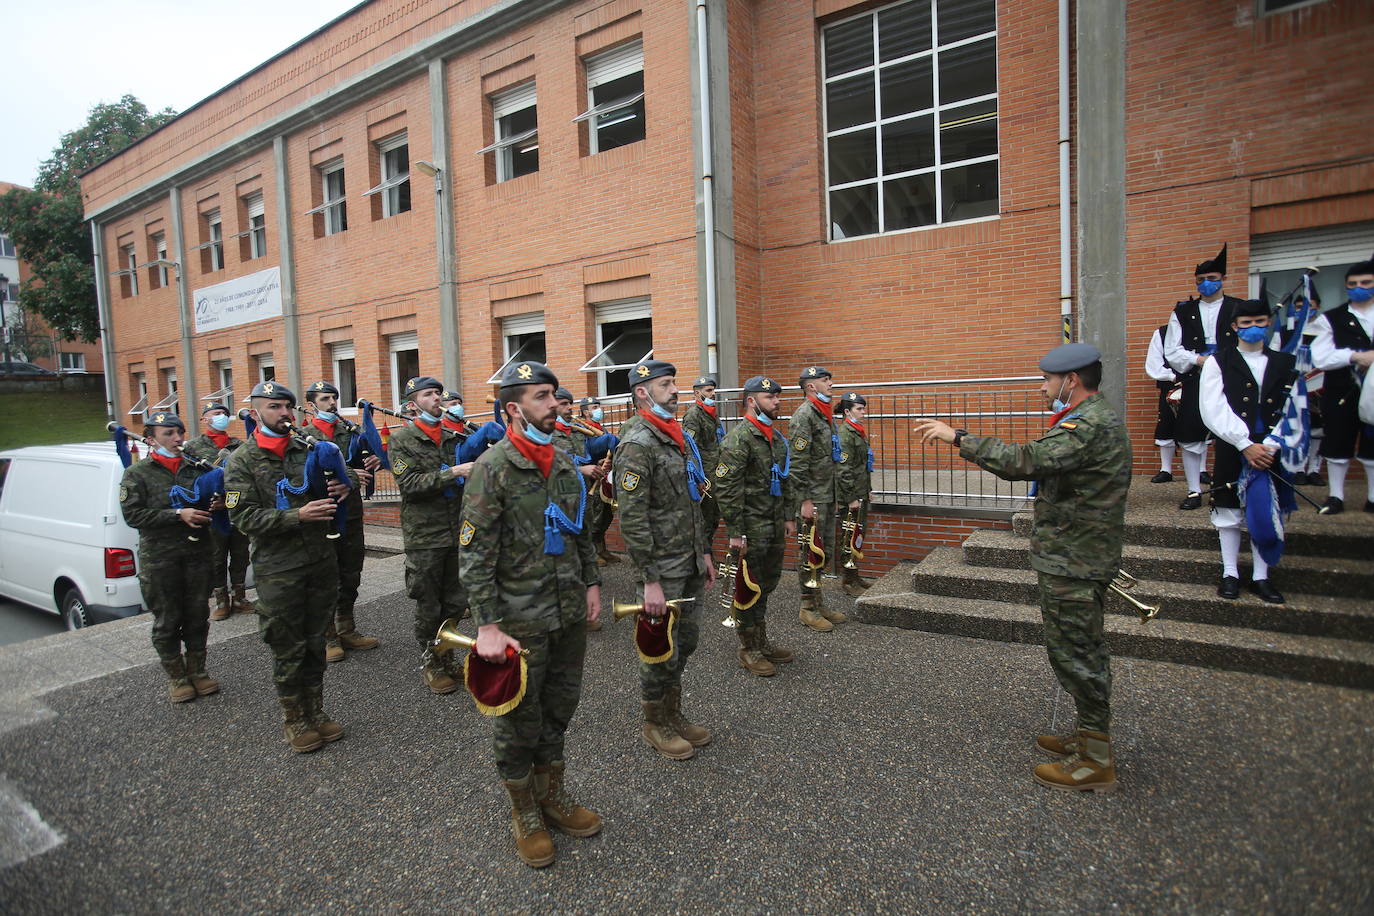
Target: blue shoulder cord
(557, 523)
(324, 455)
(696, 477)
(778, 476)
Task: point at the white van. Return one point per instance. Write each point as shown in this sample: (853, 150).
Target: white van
(64, 545)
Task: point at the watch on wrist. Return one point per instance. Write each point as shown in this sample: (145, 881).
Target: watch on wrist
(959, 434)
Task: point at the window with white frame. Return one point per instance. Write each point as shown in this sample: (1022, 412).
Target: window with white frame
(140, 387)
(6, 246)
(266, 366)
(212, 258)
(517, 132)
(911, 111)
(224, 375)
(403, 351)
(160, 278)
(254, 244)
(169, 385)
(128, 274)
(1279, 259)
(1278, 6)
(331, 216)
(615, 97)
(342, 360)
(522, 338)
(624, 337)
(71, 362)
(12, 293)
(393, 155)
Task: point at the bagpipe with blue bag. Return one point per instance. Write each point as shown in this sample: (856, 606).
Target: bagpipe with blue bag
(367, 442)
(202, 493)
(324, 464)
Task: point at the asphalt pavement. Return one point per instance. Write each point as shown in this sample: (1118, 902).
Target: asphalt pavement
(19, 622)
(885, 771)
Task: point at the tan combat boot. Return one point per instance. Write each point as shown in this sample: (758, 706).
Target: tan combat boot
(195, 672)
(437, 678)
(672, 706)
(604, 557)
(533, 844)
(351, 639)
(333, 649)
(1089, 768)
(854, 585)
(1058, 745)
(770, 651)
(661, 736)
(219, 604)
(750, 658)
(594, 625)
(241, 604)
(302, 738)
(179, 687)
(809, 616)
(312, 702)
(558, 807)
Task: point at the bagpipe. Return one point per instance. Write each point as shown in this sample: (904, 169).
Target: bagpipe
(655, 637)
(496, 687)
(324, 464)
(601, 447)
(740, 591)
(202, 493)
(366, 443)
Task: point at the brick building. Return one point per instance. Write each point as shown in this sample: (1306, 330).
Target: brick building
(884, 191)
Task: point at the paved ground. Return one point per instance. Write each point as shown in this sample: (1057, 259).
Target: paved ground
(885, 771)
(19, 622)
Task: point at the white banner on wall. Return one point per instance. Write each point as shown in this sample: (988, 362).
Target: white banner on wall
(251, 298)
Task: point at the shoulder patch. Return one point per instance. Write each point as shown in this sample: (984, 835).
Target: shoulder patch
(722, 470)
(231, 499)
(844, 456)
(1067, 425)
(466, 533)
(800, 443)
(123, 493)
(399, 466)
(629, 481)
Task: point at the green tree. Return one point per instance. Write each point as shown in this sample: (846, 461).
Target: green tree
(47, 226)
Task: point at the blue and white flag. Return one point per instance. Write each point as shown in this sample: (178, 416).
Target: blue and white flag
(1293, 433)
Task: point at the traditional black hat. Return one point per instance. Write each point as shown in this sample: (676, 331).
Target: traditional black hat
(849, 399)
(164, 418)
(421, 383)
(810, 374)
(320, 387)
(762, 383)
(1070, 357)
(528, 373)
(274, 390)
(706, 380)
(1251, 308)
(648, 370)
(563, 394)
(1360, 268)
(1216, 265)
(213, 405)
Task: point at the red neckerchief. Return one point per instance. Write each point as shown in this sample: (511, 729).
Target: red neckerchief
(322, 426)
(766, 430)
(447, 422)
(562, 427)
(430, 429)
(275, 445)
(711, 409)
(220, 439)
(856, 427)
(541, 455)
(820, 405)
(594, 425)
(672, 427)
(1054, 420)
(171, 464)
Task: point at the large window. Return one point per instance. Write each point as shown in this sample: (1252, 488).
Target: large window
(6, 246)
(266, 365)
(522, 338)
(517, 132)
(331, 215)
(1279, 259)
(71, 362)
(128, 274)
(911, 117)
(253, 239)
(615, 97)
(341, 357)
(404, 350)
(139, 384)
(393, 157)
(624, 337)
(158, 274)
(212, 244)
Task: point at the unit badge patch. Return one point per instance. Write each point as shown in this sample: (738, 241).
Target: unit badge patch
(630, 480)
(465, 535)
(800, 443)
(231, 499)
(399, 466)
(123, 493)
(722, 470)
(844, 456)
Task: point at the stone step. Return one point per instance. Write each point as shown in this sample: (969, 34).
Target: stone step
(1347, 536)
(944, 573)
(1345, 663)
(1305, 574)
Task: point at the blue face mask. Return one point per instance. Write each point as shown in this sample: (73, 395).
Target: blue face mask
(219, 422)
(1252, 334)
(428, 417)
(262, 428)
(823, 398)
(536, 436)
(1209, 287)
(1360, 294)
(456, 411)
(597, 414)
(709, 402)
(166, 453)
(1059, 402)
(326, 416)
(659, 410)
(763, 418)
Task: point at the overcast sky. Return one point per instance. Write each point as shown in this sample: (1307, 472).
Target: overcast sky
(62, 57)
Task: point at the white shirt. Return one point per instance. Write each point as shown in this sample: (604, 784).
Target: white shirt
(1181, 359)
(1325, 353)
(1155, 365)
(1216, 410)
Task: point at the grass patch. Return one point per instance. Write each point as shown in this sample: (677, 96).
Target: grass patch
(56, 418)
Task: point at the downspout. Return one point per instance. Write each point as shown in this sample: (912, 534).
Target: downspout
(708, 190)
(102, 305)
(1065, 223)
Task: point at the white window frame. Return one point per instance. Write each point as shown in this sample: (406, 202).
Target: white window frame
(169, 376)
(257, 225)
(605, 68)
(215, 227)
(264, 361)
(638, 308)
(390, 187)
(503, 104)
(7, 249)
(160, 246)
(335, 206)
(140, 407)
(400, 343)
(338, 353)
(130, 269)
(77, 360)
(225, 393)
(517, 326)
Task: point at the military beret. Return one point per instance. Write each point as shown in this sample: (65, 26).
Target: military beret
(1070, 357)
(451, 395)
(274, 390)
(811, 373)
(320, 388)
(588, 402)
(762, 383)
(528, 373)
(850, 398)
(214, 405)
(564, 394)
(706, 380)
(650, 369)
(164, 418)
(422, 383)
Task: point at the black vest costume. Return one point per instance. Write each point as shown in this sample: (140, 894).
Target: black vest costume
(1165, 421)
(1257, 405)
(1190, 427)
(1341, 394)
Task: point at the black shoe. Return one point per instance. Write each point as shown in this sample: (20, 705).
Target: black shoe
(1194, 501)
(1266, 591)
(1162, 477)
(1205, 477)
(1334, 506)
(1300, 479)
(1316, 480)
(1369, 505)
(1229, 588)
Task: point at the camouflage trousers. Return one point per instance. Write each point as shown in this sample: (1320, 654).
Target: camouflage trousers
(294, 610)
(349, 551)
(765, 567)
(432, 580)
(825, 531)
(532, 733)
(600, 514)
(230, 556)
(1072, 613)
(177, 594)
(710, 515)
(654, 679)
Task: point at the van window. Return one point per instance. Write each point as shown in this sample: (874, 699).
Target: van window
(60, 491)
(4, 469)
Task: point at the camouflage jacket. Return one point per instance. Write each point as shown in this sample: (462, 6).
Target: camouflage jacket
(1083, 467)
(662, 526)
(742, 482)
(702, 427)
(813, 460)
(509, 578)
(428, 517)
(203, 446)
(146, 501)
(279, 540)
(852, 478)
(343, 438)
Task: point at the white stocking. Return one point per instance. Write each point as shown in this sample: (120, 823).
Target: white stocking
(1336, 469)
(1230, 551)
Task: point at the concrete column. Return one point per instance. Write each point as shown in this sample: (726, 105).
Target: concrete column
(102, 305)
(287, 257)
(445, 248)
(1100, 41)
(189, 409)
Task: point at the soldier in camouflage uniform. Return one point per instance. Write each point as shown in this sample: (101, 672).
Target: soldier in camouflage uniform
(424, 459)
(327, 426)
(229, 551)
(702, 423)
(532, 579)
(815, 443)
(173, 570)
(759, 505)
(657, 473)
(296, 567)
(1082, 468)
(853, 479)
(600, 512)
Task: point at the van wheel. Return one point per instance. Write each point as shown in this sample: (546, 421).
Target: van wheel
(74, 610)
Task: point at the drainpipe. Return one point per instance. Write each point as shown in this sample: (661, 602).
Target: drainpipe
(708, 190)
(102, 305)
(1065, 235)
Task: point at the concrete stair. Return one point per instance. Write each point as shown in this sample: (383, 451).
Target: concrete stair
(1323, 633)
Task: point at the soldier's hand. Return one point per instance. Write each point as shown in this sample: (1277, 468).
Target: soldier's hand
(464, 469)
(372, 463)
(492, 643)
(856, 503)
(934, 429)
(1202, 358)
(318, 510)
(364, 475)
(217, 502)
(789, 528)
(1363, 358)
(1259, 455)
(337, 489)
(654, 604)
(194, 517)
(590, 471)
(594, 603)
(710, 569)
(808, 509)
(739, 545)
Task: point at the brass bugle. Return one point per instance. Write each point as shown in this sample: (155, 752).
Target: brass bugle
(806, 542)
(1121, 585)
(362, 402)
(449, 637)
(623, 609)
